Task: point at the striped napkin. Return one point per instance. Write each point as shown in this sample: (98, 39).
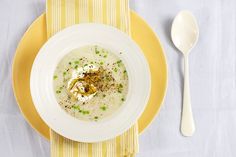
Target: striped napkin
(64, 13)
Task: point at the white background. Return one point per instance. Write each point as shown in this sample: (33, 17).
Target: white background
(212, 81)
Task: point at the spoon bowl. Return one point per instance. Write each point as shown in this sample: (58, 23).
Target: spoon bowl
(185, 31)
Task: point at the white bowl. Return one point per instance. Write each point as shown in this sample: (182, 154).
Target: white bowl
(41, 82)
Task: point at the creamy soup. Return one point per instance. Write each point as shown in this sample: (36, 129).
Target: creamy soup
(90, 83)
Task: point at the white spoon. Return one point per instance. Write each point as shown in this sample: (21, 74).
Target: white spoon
(184, 34)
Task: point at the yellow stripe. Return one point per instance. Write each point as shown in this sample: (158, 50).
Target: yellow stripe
(128, 17)
(75, 149)
(63, 14)
(118, 149)
(118, 14)
(104, 149)
(104, 11)
(49, 17)
(76, 11)
(90, 150)
(60, 146)
(90, 8)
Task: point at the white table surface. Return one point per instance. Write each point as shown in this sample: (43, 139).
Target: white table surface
(212, 80)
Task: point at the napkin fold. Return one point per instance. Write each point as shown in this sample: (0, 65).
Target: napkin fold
(63, 13)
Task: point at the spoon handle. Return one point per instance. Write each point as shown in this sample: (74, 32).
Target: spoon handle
(187, 122)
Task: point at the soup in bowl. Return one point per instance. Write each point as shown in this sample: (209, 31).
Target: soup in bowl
(90, 83)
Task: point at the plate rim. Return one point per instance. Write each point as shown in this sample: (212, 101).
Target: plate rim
(165, 86)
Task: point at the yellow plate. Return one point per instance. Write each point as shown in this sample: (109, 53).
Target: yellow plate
(35, 37)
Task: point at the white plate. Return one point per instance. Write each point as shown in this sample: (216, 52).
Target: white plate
(41, 82)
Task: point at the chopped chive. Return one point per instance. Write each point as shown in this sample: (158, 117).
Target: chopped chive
(101, 63)
(76, 66)
(96, 50)
(85, 65)
(54, 77)
(120, 88)
(76, 107)
(61, 88)
(85, 112)
(76, 62)
(64, 73)
(96, 117)
(91, 62)
(104, 95)
(119, 61)
(122, 99)
(69, 63)
(58, 91)
(124, 71)
(115, 69)
(103, 108)
(105, 56)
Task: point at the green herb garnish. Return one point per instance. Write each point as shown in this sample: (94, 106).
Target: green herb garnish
(76, 66)
(64, 73)
(122, 99)
(76, 107)
(120, 88)
(101, 63)
(115, 70)
(54, 77)
(103, 108)
(76, 62)
(96, 117)
(85, 112)
(96, 50)
(119, 61)
(69, 63)
(58, 91)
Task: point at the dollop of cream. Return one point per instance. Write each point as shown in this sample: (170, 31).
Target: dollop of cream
(80, 86)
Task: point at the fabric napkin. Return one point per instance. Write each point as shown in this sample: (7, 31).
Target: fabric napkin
(64, 13)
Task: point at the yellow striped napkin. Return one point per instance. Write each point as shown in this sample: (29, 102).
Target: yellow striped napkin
(64, 13)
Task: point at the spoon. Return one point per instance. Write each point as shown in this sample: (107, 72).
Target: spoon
(184, 34)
